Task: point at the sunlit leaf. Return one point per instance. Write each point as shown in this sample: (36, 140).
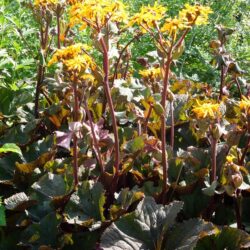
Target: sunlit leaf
(10, 147)
(29, 167)
(135, 144)
(19, 202)
(227, 238)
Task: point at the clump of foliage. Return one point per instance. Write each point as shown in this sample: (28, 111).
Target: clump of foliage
(115, 151)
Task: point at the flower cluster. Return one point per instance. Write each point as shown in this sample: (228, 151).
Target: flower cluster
(245, 104)
(97, 13)
(206, 109)
(173, 25)
(72, 2)
(152, 73)
(73, 58)
(230, 158)
(148, 15)
(195, 14)
(45, 3)
(184, 86)
(65, 53)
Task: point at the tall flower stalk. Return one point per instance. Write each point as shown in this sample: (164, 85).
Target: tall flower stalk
(43, 9)
(97, 15)
(75, 146)
(163, 120)
(44, 41)
(111, 105)
(76, 63)
(208, 112)
(169, 38)
(213, 159)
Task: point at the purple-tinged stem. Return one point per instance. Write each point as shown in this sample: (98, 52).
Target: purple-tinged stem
(95, 142)
(110, 103)
(75, 149)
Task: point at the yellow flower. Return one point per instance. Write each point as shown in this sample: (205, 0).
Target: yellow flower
(79, 63)
(181, 87)
(148, 15)
(195, 14)
(151, 73)
(173, 25)
(230, 158)
(245, 103)
(72, 2)
(186, 86)
(66, 53)
(45, 3)
(62, 37)
(73, 58)
(207, 109)
(88, 77)
(96, 13)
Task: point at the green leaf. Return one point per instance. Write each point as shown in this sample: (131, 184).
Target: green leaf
(179, 102)
(228, 238)
(2, 216)
(149, 188)
(143, 228)
(50, 185)
(10, 147)
(184, 236)
(124, 200)
(18, 134)
(159, 110)
(179, 51)
(135, 144)
(43, 233)
(84, 240)
(86, 204)
(195, 202)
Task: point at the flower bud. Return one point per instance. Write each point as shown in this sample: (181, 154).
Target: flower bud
(217, 131)
(170, 95)
(237, 180)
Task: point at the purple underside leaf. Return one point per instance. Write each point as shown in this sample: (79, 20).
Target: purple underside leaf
(100, 133)
(75, 126)
(63, 139)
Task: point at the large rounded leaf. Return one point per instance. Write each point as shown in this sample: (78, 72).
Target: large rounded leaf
(142, 229)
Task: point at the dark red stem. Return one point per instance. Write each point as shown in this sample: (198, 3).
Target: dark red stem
(222, 77)
(238, 86)
(213, 156)
(120, 56)
(95, 142)
(110, 103)
(40, 76)
(147, 118)
(247, 144)
(163, 120)
(75, 150)
(41, 67)
(172, 125)
(237, 209)
(58, 27)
